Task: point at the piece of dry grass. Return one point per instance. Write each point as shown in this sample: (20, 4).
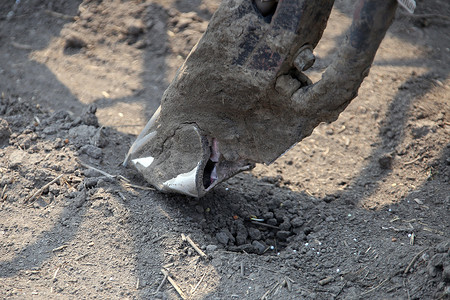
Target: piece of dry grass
(41, 190)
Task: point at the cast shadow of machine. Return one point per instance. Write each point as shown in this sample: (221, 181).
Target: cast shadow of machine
(264, 204)
(215, 212)
(66, 225)
(53, 96)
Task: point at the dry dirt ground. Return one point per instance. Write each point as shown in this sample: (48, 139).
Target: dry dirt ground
(361, 209)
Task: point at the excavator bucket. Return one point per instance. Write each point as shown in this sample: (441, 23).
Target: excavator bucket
(241, 97)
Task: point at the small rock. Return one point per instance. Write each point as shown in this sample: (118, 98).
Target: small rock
(5, 132)
(134, 26)
(90, 182)
(432, 271)
(317, 228)
(102, 182)
(222, 238)
(89, 118)
(443, 247)
(285, 226)
(272, 221)
(74, 40)
(446, 274)
(49, 130)
(77, 121)
(230, 236)
(437, 260)
(72, 194)
(283, 235)
(54, 189)
(259, 247)
(81, 135)
(385, 161)
(92, 151)
(280, 214)
(216, 262)
(241, 234)
(79, 200)
(286, 85)
(16, 158)
(330, 219)
(90, 173)
(59, 115)
(300, 235)
(99, 139)
(6, 179)
(211, 248)
(268, 215)
(254, 233)
(199, 209)
(297, 222)
(328, 199)
(141, 44)
(58, 143)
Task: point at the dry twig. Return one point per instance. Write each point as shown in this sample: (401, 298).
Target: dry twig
(81, 256)
(38, 192)
(284, 282)
(414, 160)
(161, 284)
(21, 46)
(412, 238)
(270, 291)
(198, 283)
(2, 197)
(340, 290)
(122, 196)
(376, 287)
(55, 274)
(265, 225)
(191, 242)
(147, 188)
(59, 248)
(174, 284)
(326, 280)
(120, 177)
(413, 261)
(95, 169)
(123, 178)
(155, 240)
(288, 283)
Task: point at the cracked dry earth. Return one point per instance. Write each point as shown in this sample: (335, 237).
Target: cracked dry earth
(358, 210)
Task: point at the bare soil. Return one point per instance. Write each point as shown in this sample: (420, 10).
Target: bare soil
(360, 209)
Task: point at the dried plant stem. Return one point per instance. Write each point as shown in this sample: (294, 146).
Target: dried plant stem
(174, 284)
(191, 242)
(38, 192)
